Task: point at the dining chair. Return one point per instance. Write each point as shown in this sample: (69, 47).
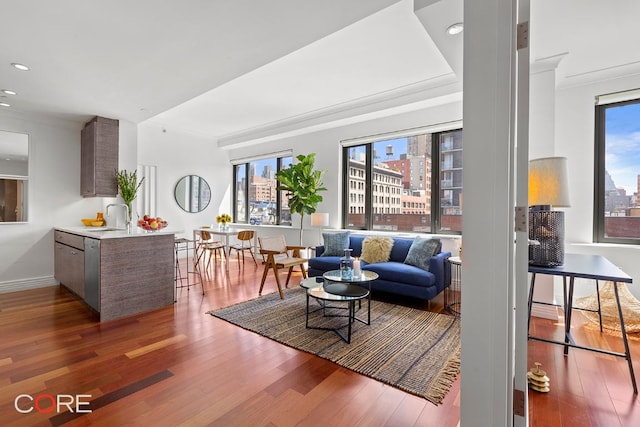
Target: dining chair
(280, 255)
(243, 245)
(205, 244)
(214, 249)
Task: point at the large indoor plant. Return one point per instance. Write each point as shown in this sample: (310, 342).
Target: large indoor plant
(128, 186)
(302, 185)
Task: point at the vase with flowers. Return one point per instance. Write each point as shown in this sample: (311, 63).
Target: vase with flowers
(223, 221)
(128, 186)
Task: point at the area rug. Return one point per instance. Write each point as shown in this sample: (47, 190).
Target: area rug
(608, 307)
(414, 350)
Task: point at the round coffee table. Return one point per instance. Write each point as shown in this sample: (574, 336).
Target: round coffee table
(335, 284)
(333, 289)
(327, 305)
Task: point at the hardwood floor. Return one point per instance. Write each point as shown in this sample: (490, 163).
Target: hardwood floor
(179, 366)
(587, 388)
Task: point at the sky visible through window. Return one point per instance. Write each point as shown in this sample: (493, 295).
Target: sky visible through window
(399, 147)
(623, 146)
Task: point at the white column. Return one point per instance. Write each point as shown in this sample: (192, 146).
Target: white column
(488, 220)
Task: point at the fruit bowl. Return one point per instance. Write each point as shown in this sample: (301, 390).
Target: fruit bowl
(88, 221)
(152, 223)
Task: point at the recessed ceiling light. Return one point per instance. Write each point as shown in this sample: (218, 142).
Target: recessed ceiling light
(20, 67)
(4, 104)
(455, 28)
(9, 92)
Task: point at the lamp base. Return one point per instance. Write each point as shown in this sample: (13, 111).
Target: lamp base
(546, 230)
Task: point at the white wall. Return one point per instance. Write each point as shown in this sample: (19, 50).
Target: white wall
(176, 154)
(26, 250)
(326, 145)
(201, 156)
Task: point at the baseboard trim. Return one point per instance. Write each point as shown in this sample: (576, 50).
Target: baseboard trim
(544, 311)
(24, 284)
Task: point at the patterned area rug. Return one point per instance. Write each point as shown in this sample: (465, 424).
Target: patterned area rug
(414, 350)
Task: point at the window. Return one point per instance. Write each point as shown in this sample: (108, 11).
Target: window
(256, 200)
(617, 172)
(409, 183)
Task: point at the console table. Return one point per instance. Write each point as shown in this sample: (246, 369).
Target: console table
(594, 267)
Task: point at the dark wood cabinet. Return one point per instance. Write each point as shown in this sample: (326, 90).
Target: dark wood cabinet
(99, 156)
(69, 261)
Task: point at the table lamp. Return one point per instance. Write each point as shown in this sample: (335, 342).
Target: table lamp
(548, 188)
(319, 219)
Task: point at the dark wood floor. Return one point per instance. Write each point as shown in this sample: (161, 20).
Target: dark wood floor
(179, 366)
(587, 388)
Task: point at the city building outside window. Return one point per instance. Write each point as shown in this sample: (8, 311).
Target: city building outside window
(617, 172)
(409, 183)
(256, 200)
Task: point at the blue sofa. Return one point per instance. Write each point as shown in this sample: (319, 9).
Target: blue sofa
(395, 277)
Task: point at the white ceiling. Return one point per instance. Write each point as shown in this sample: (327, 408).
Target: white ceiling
(239, 70)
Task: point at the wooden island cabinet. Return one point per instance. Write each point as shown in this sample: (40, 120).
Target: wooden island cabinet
(116, 273)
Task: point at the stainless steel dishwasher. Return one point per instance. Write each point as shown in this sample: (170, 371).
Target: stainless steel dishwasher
(92, 272)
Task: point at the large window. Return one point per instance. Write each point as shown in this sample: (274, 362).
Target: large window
(409, 183)
(617, 172)
(256, 200)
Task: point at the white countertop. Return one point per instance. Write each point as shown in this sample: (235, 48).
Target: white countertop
(110, 233)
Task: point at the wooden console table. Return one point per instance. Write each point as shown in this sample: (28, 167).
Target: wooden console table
(594, 267)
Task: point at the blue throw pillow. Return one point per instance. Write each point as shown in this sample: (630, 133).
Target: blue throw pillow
(335, 243)
(421, 251)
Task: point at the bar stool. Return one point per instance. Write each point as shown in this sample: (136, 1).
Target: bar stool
(187, 278)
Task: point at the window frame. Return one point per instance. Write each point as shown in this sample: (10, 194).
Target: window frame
(369, 214)
(247, 183)
(599, 201)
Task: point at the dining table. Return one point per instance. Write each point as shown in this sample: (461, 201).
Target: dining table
(227, 233)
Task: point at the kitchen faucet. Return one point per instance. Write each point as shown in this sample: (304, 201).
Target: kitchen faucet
(126, 208)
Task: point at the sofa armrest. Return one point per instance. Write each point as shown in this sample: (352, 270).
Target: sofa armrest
(440, 268)
(319, 250)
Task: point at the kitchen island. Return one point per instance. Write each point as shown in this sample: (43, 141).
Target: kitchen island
(117, 273)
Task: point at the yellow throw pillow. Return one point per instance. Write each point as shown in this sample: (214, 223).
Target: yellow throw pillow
(376, 249)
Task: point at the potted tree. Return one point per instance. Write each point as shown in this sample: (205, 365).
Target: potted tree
(303, 185)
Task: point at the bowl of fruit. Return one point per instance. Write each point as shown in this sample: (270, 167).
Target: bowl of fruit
(150, 223)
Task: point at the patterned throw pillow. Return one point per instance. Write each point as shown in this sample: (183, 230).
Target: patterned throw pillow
(376, 249)
(421, 251)
(335, 243)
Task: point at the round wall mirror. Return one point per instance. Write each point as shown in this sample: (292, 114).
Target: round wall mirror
(192, 193)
